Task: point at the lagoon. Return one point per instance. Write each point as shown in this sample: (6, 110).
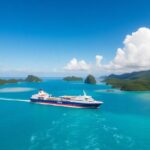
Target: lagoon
(122, 122)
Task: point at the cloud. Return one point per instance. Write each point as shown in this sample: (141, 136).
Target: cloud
(76, 65)
(135, 55)
(99, 58)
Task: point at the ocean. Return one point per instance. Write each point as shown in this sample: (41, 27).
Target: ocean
(121, 123)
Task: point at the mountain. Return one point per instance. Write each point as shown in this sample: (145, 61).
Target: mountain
(133, 75)
(90, 79)
(31, 78)
(135, 81)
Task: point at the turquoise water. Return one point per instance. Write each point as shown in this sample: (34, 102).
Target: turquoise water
(122, 122)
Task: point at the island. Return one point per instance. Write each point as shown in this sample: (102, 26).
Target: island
(135, 81)
(29, 78)
(72, 78)
(32, 78)
(90, 79)
(4, 81)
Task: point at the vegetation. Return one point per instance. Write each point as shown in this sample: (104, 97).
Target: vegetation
(90, 79)
(73, 78)
(3, 81)
(136, 81)
(31, 78)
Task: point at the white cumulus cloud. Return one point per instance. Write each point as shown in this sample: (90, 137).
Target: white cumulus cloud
(74, 64)
(135, 55)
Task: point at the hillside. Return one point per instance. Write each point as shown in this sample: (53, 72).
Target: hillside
(31, 78)
(135, 81)
(90, 79)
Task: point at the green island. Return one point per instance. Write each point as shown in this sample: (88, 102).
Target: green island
(135, 81)
(90, 79)
(72, 78)
(3, 81)
(29, 78)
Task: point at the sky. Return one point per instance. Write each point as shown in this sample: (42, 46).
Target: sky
(74, 37)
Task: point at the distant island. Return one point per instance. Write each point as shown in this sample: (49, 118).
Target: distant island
(72, 78)
(29, 78)
(3, 81)
(135, 81)
(90, 79)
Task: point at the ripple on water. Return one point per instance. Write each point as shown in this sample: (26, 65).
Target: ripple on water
(32, 138)
(100, 136)
(120, 139)
(123, 140)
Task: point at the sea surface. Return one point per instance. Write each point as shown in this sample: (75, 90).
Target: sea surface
(121, 123)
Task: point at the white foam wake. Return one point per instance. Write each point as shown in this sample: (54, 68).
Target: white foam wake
(16, 100)
(16, 89)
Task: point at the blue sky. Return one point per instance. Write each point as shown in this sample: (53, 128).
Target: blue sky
(42, 36)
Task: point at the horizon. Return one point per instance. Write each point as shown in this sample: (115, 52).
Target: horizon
(49, 77)
(63, 38)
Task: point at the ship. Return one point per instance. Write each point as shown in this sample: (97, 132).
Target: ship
(83, 101)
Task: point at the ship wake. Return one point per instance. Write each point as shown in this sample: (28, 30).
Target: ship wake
(14, 100)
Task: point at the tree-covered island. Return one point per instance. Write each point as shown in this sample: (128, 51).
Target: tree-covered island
(72, 78)
(29, 78)
(135, 81)
(90, 79)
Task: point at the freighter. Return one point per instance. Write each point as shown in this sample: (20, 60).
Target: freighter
(84, 101)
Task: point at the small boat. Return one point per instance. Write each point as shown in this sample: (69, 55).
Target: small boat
(84, 101)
